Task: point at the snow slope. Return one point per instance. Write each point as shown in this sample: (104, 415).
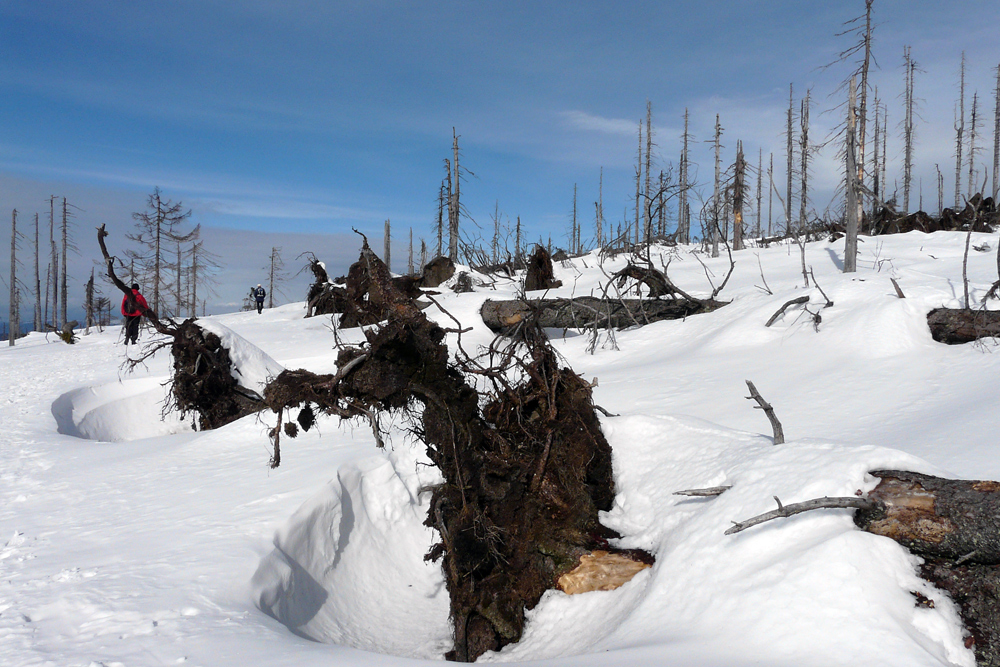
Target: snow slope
(127, 540)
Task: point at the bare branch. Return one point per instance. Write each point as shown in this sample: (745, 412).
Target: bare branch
(785, 511)
(704, 493)
(779, 434)
(793, 302)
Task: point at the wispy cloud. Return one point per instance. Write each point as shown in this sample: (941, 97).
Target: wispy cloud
(581, 120)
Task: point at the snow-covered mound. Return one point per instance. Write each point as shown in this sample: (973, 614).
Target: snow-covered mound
(133, 409)
(348, 567)
(145, 551)
(125, 410)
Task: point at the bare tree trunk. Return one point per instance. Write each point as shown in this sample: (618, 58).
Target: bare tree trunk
(770, 195)
(760, 191)
(90, 301)
(271, 273)
(683, 219)
(55, 262)
(13, 314)
(876, 145)
(791, 163)
(973, 126)
(649, 164)
(386, 251)
(440, 220)
(940, 190)
(804, 157)
(715, 196)
(638, 187)
(409, 262)
(599, 215)
(960, 135)
(909, 67)
(574, 243)
(456, 205)
(193, 308)
(739, 179)
(423, 255)
(863, 107)
(63, 288)
(518, 243)
(39, 323)
(885, 149)
(996, 140)
(851, 242)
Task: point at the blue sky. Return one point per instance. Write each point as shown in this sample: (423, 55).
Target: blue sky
(289, 123)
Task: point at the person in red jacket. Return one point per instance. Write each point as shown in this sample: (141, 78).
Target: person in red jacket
(133, 306)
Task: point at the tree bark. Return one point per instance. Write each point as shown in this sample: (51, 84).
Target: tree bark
(955, 326)
(584, 312)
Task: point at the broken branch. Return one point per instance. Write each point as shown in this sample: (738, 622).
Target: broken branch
(779, 434)
(793, 302)
(784, 511)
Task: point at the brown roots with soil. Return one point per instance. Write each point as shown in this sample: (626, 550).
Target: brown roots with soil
(203, 381)
(526, 467)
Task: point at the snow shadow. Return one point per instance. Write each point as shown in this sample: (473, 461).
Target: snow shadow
(118, 411)
(348, 566)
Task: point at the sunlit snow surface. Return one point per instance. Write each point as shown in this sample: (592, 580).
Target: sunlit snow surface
(127, 540)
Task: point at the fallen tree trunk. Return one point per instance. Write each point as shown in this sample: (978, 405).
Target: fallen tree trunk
(955, 526)
(955, 326)
(587, 311)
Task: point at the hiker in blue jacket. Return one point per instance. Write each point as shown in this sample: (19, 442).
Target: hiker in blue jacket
(258, 295)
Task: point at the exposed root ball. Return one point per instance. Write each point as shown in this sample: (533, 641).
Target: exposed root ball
(526, 467)
(203, 381)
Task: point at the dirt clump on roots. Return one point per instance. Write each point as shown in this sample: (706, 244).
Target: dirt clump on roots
(526, 467)
(203, 382)
(352, 296)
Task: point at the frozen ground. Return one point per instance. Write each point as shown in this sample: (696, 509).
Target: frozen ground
(127, 540)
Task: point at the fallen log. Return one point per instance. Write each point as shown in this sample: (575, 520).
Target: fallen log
(587, 311)
(955, 326)
(955, 525)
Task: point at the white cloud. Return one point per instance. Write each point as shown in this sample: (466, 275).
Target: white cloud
(581, 120)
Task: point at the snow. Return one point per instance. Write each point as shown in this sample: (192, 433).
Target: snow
(130, 539)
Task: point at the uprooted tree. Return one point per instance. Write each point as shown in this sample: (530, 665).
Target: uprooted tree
(203, 383)
(525, 465)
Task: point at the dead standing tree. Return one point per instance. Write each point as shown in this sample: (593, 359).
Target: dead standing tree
(526, 468)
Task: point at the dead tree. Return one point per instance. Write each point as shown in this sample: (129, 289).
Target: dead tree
(716, 192)
(960, 133)
(14, 315)
(910, 67)
(386, 249)
(996, 140)
(851, 174)
(39, 322)
(525, 468)
(739, 194)
(790, 136)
